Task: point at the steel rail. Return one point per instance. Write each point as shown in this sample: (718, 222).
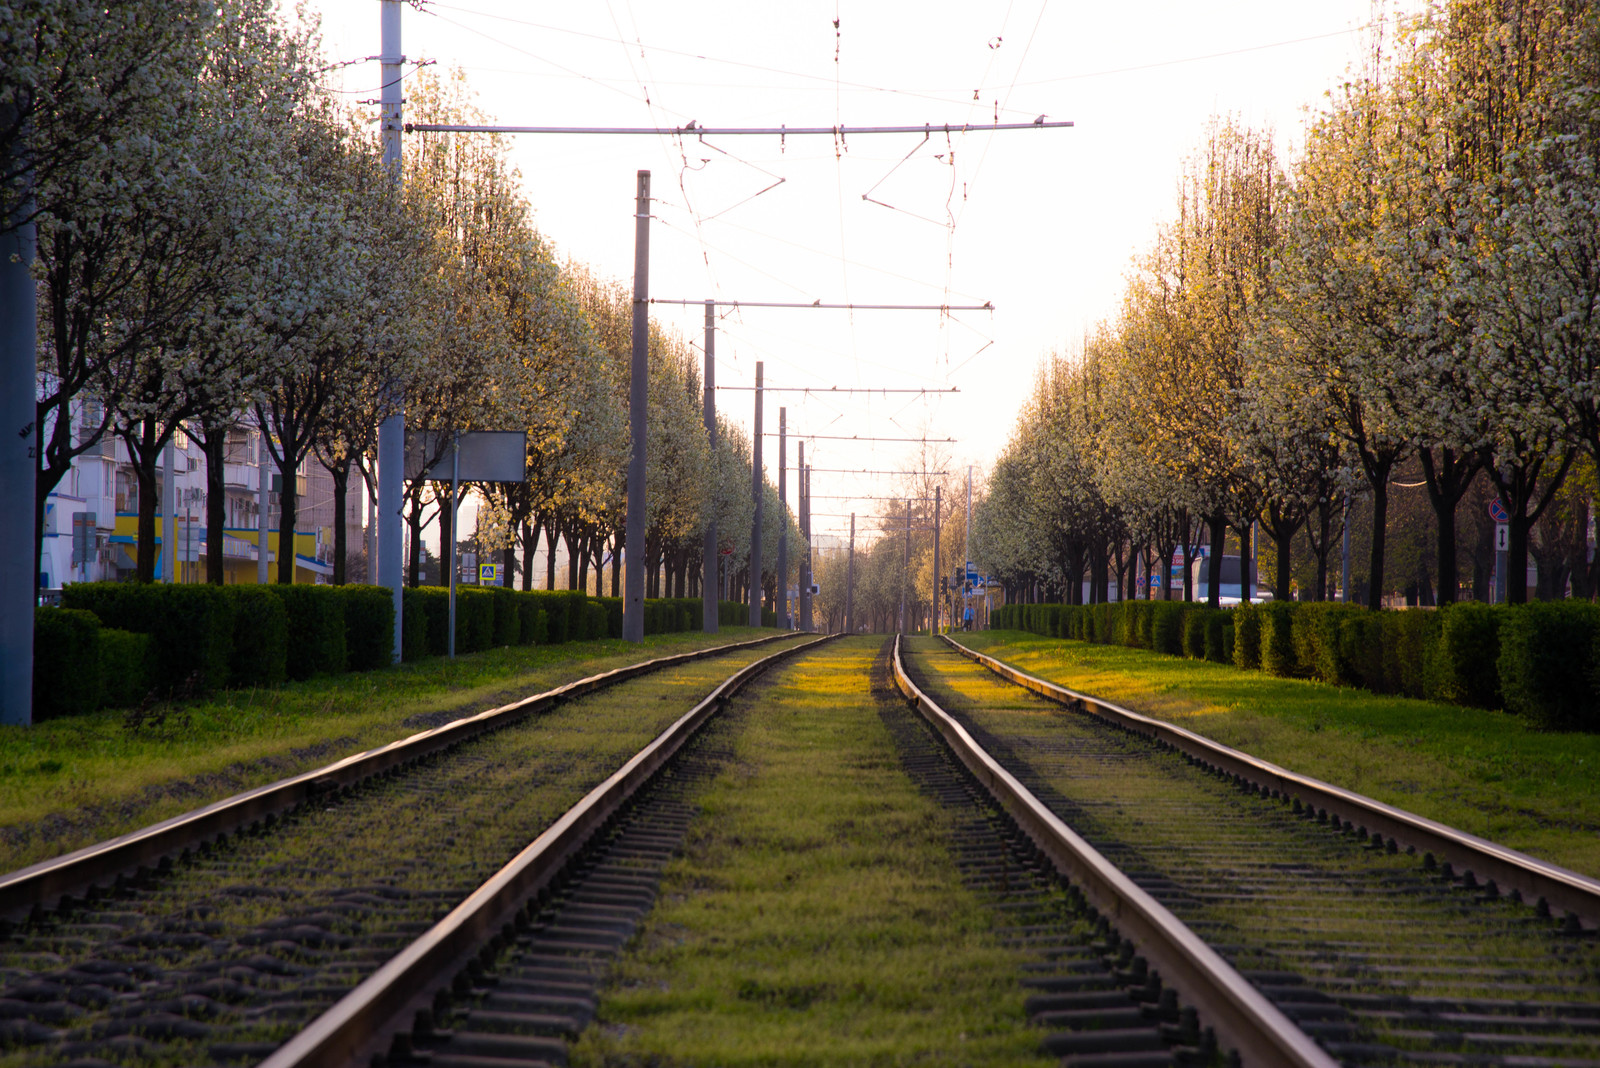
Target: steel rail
(1564, 890)
(39, 884)
(364, 1018)
(1242, 1016)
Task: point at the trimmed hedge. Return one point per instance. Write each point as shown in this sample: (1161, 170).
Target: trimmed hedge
(368, 626)
(1538, 660)
(79, 665)
(191, 628)
(316, 619)
(260, 637)
(66, 662)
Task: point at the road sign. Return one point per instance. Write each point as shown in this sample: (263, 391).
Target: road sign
(489, 574)
(1502, 537)
(1497, 511)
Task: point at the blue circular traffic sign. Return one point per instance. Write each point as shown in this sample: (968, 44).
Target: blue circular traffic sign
(1497, 511)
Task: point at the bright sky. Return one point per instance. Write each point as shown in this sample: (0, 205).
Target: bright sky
(1040, 222)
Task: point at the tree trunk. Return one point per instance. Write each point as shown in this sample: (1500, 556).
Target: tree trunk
(144, 467)
(1380, 519)
(1219, 546)
(288, 512)
(341, 495)
(414, 519)
(447, 537)
(1447, 476)
(550, 555)
(216, 440)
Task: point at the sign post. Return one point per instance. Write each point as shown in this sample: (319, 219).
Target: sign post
(1502, 547)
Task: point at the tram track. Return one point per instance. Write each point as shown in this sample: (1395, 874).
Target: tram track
(1380, 956)
(221, 949)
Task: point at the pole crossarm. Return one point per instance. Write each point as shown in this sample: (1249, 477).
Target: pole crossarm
(844, 389)
(866, 437)
(870, 471)
(819, 305)
(739, 131)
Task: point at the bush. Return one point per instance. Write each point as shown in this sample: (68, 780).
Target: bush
(260, 637)
(1409, 641)
(1246, 636)
(1360, 648)
(1316, 642)
(316, 629)
(507, 620)
(474, 619)
(1218, 634)
(191, 627)
(594, 621)
(368, 627)
(1193, 623)
(433, 604)
(66, 662)
(1547, 652)
(1276, 629)
(124, 667)
(1467, 656)
(1167, 627)
(414, 624)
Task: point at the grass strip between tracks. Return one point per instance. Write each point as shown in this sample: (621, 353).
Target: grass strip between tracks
(816, 917)
(71, 782)
(1487, 773)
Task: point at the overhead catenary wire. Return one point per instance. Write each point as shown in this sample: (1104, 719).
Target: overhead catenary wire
(987, 306)
(732, 131)
(844, 389)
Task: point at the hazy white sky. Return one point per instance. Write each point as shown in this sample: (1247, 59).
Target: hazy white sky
(1042, 223)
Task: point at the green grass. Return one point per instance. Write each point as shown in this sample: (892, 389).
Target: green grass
(1488, 773)
(70, 782)
(817, 917)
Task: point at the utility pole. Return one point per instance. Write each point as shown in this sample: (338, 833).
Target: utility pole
(708, 566)
(638, 412)
(933, 615)
(783, 518)
(850, 582)
(905, 575)
(169, 514)
(19, 343)
(392, 431)
(966, 559)
(755, 525)
(803, 477)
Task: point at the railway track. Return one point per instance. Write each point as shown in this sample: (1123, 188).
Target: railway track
(207, 946)
(1373, 947)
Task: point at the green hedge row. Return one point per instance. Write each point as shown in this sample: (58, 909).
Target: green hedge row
(1539, 660)
(191, 639)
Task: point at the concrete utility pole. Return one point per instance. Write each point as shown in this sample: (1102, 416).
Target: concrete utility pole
(638, 412)
(755, 526)
(933, 615)
(783, 516)
(850, 582)
(708, 566)
(392, 431)
(19, 460)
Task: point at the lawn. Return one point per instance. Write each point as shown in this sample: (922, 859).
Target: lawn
(70, 782)
(1488, 773)
(817, 917)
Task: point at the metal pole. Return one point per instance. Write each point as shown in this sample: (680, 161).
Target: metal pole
(850, 582)
(933, 612)
(783, 519)
(455, 515)
(638, 411)
(708, 566)
(169, 515)
(1344, 573)
(19, 462)
(803, 476)
(392, 431)
(755, 525)
(966, 558)
(905, 575)
(263, 508)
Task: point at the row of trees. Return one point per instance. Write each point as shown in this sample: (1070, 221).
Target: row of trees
(1417, 294)
(220, 245)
